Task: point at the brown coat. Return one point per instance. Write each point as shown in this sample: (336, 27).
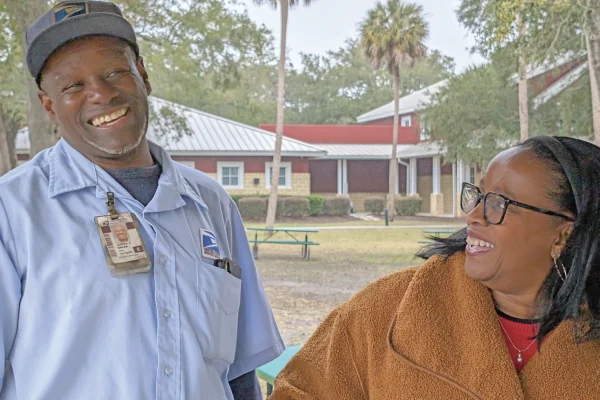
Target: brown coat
(432, 333)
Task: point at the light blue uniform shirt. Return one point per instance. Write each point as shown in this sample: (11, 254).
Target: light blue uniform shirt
(69, 330)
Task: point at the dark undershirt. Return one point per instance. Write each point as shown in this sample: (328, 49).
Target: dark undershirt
(142, 184)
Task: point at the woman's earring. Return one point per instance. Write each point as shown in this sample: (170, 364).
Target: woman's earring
(558, 270)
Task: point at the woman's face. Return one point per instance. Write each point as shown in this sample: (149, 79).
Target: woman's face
(520, 255)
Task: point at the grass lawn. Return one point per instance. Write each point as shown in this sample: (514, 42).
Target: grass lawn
(303, 292)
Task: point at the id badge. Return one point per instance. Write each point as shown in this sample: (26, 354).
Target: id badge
(122, 243)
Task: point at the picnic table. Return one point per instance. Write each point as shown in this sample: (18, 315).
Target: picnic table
(291, 236)
(437, 233)
(269, 371)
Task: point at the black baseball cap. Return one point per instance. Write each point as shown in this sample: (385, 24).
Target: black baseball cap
(70, 20)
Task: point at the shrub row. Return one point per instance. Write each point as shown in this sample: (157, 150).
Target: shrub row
(404, 205)
(255, 207)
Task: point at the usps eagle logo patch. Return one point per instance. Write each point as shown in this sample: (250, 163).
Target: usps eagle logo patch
(68, 10)
(210, 247)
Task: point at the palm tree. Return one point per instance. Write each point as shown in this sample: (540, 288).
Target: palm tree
(285, 6)
(393, 36)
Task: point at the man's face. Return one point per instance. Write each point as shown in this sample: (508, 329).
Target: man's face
(120, 232)
(96, 91)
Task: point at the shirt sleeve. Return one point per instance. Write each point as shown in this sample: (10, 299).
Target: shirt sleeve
(10, 294)
(258, 339)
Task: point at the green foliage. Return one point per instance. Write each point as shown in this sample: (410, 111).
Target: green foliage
(336, 205)
(475, 115)
(340, 86)
(253, 207)
(374, 205)
(408, 205)
(315, 204)
(393, 35)
(292, 207)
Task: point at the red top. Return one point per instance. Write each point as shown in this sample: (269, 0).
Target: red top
(520, 331)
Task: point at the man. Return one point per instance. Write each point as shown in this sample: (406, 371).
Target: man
(120, 232)
(79, 320)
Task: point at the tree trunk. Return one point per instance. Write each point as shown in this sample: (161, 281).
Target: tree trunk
(523, 95)
(592, 41)
(8, 158)
(41, 131)
(272, 208)
(394, 160)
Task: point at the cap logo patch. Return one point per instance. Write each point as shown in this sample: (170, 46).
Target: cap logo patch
(68, 10)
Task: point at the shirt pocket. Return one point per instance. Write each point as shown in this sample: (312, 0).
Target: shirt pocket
(219, 295)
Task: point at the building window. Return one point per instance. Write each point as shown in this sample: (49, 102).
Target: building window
(472, 175)
(406, 121)
(231, 174)
(191, 164)
(285, 174)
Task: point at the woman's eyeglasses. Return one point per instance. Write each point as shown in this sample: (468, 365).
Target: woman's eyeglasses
(495, 205)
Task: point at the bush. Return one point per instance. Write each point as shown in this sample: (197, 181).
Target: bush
(336, 205)
(293, 207)
(408, 205)
(253, 207)
(374, 205)
(236, 198)
(315, 204)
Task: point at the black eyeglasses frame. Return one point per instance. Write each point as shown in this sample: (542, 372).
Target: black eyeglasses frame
(507, 202)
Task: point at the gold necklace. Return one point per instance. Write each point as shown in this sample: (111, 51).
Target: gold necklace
(519, 351)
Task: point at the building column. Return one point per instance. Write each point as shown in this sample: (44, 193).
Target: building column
(340, 189)
(345, 177)
(437, 198)
(413, 177)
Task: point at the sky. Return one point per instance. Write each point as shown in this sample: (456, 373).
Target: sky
(327, 23)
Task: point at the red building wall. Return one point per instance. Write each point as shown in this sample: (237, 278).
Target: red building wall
(323, 176)
(348, 134)
(540, 83)
(368, 176)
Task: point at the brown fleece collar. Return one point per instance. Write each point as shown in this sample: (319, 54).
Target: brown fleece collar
(446, 326)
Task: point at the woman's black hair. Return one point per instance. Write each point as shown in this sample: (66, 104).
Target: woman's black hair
(575, 168)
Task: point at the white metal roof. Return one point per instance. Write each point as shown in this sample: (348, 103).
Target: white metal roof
(379, 151)
(211, 136)
(408, 104)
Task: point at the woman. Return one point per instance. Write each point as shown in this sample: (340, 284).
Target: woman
(508, 308)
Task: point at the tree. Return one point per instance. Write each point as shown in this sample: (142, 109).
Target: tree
(284, 6)
(496, 24)
(338, 87)
(41, 131)
(208, 55)
(572, 26)
(475, 115)
(393, 36)
(12, 99)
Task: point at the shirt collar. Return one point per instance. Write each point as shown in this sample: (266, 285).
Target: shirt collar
(70, 171)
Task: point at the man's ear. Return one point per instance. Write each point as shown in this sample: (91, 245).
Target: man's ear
(144, 74)
(48, 105)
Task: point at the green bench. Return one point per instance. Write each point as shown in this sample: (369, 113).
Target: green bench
(269, 371)
(289, 238)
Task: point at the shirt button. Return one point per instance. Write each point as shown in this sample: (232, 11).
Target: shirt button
(167, 313)
(163, 259)
(168, 370)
